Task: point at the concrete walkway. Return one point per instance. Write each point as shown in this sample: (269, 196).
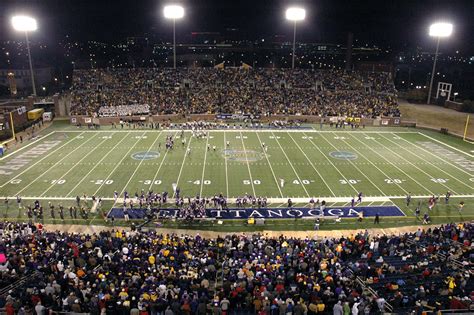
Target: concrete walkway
(91, 229)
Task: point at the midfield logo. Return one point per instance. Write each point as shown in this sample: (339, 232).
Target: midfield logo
(145, 155)
(242, 155)
(343, 155)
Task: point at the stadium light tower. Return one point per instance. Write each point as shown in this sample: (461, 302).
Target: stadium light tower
(295, 15)
(23, 23)
(438, 30)
(173, 12)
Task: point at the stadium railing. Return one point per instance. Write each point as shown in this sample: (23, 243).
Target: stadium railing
(18, 283)
(387, 307)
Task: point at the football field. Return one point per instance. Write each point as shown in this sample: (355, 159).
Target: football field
(333, 164)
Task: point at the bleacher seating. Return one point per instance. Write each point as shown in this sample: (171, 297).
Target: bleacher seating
(253, 91)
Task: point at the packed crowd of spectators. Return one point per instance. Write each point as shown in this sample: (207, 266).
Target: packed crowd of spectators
(118, 272)
(250, 91)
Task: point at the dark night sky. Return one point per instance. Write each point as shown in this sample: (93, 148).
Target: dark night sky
(388, 22)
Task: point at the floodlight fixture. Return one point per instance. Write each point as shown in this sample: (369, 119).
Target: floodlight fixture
(24, 23)
(173, 11)
(295, 14)
(438, 30)
(441, 29)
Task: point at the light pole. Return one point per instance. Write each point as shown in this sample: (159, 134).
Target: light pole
(295, 15)
(438, 30)
(173, 12)
(26, 24)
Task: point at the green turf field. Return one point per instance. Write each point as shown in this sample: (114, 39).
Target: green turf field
(333, 164)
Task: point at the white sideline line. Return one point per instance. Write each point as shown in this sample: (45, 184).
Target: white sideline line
(330, 162)
(74, 166)
(311, 163)
(44, 157)
(360, 152)
(301, 182)
(449, 146)
(118, 164)
(182, 164)
(436, 156)
(204, 166)
(271, 168)
(427, 161)
(355, 166)
(159, 168)
(55, 164)
(139, 164)
(90, 171)
(271, 200)
(226, 176)
(406, 174)
(26, 146)
(248, 165)
(429, 175)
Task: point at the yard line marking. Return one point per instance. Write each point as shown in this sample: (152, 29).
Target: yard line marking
(100, 161)
(161, 164)
(37, 162)
(394, 165)
(248, 165)
(271, 168)
(226, 176)
(75, 164)
(182, 164)
(330, 162)
(449, 146)
(311, 163)
(204, 167)
(45, 172)
(386, 147)
(27, 145)
(427, 161)
(357, 168)
(139, 164)
(289, 162)
(369, 147)
(445, 162)
(118, 164)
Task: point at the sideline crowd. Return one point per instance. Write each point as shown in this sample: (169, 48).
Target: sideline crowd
(119, 272)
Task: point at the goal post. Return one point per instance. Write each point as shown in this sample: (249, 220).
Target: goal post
(466, 130)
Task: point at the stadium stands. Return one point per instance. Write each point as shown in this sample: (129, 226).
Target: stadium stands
(254, 91)
(117, 272)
